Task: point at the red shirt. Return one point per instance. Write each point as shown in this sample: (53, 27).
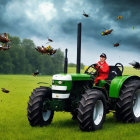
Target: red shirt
(103, 71)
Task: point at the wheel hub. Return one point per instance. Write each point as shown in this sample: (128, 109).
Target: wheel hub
(45, 114)
(98, 112)
(136, 103)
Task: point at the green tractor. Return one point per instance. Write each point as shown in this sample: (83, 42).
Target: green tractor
(88, 103)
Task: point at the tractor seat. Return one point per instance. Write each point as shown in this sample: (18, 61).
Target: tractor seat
(113, 72)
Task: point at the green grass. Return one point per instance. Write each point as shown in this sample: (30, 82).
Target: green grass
(15, 126)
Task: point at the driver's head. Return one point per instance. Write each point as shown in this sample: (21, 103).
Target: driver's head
(103, 57)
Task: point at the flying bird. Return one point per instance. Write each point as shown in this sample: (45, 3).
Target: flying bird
(4, 38)
(119, 17)
(107, 32)
(46, 50)
(135, 64)
(49, 40)
(36, 73)
(84, 14)
(5, 90)
(4, 47)
(117, 44)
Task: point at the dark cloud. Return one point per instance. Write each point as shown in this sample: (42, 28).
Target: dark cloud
(129, 9)
(3, 2)
(68, 27)
(30, 19)
(108, 10)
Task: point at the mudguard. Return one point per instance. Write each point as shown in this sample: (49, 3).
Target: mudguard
(117, 83)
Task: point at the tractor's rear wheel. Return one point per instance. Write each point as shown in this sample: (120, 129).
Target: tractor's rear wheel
(128, 105)
(92, 110)
(37, 116)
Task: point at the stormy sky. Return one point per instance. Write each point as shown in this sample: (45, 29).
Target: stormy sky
(58, 19)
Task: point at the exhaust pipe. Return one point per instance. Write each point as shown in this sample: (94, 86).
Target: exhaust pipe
(78, 48)
(66, 61)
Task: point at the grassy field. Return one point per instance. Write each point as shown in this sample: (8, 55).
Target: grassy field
(13, 115)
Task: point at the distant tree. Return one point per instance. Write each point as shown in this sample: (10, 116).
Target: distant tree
(74, 65)
(82, 66)
(22, 58)
(58, 60)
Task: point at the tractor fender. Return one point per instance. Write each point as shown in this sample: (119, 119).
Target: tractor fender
(117, 83)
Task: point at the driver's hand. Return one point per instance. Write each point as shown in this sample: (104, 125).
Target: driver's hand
(98, 65)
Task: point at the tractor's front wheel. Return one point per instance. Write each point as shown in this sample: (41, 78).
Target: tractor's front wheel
(37, 116)
(92, 110)
(74, 114)
(128, 105)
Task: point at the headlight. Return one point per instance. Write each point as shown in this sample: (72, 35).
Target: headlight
(60, 82)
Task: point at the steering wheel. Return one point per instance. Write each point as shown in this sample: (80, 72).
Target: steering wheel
(92, 70)
(119, 65)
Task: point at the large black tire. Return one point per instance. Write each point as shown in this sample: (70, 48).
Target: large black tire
(128, 105)
(92, 110)
(36, 115)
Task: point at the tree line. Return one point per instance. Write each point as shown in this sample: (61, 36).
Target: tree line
(22, 58)
(74, 65)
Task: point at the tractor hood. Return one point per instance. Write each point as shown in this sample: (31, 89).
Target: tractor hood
(62, 84)
(71, 77)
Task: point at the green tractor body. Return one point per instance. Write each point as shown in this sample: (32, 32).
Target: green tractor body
(87, 102)
(66, 91)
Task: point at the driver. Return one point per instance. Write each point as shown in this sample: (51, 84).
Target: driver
(102, 68)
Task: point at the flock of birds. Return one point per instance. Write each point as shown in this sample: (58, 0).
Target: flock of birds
(49, 50)
(135, 64)
(43, 50)
(107, 32)
(46, 50)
